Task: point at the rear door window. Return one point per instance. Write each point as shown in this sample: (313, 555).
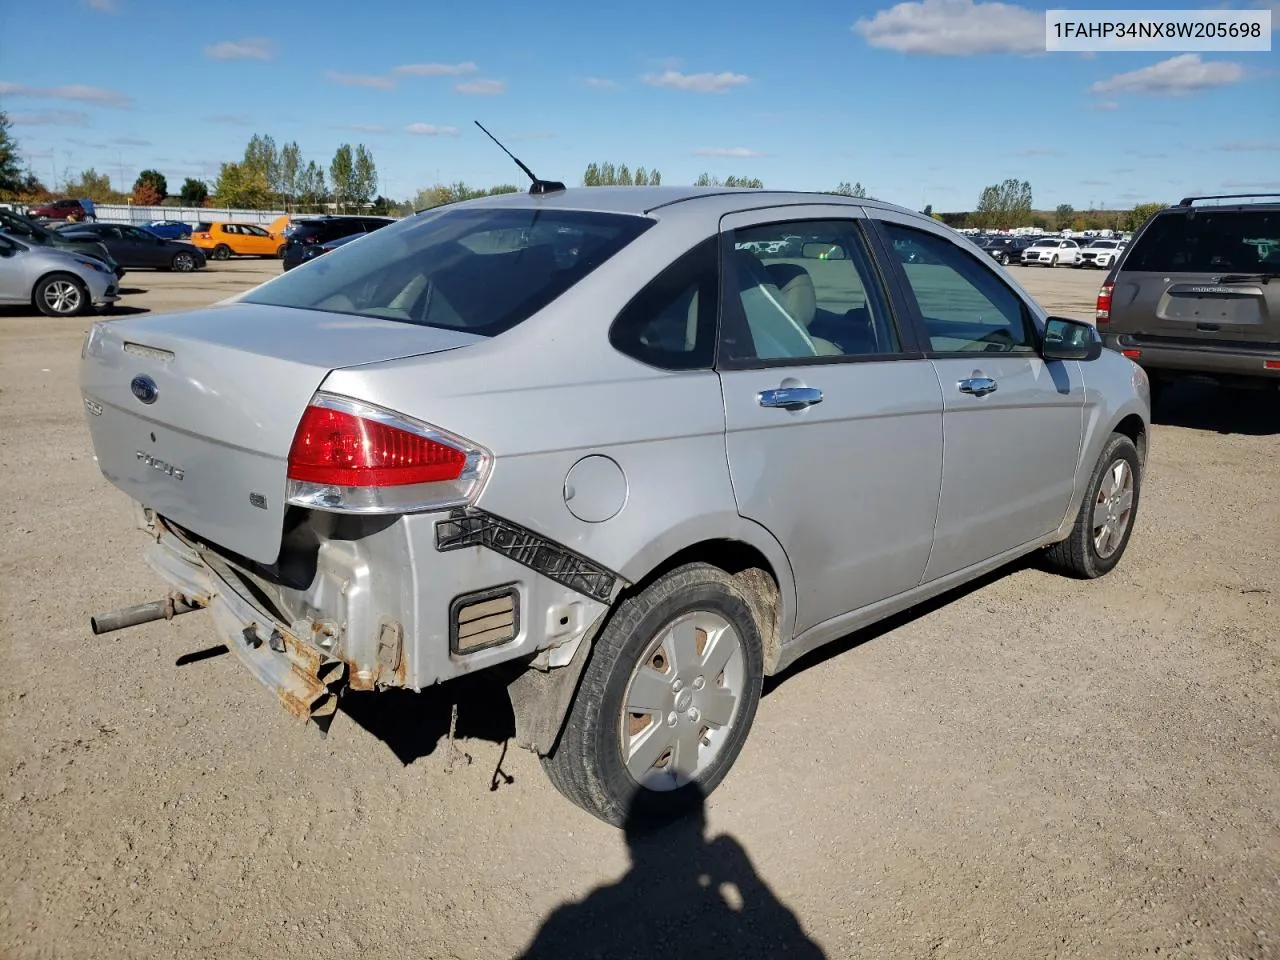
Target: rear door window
(1209, 241)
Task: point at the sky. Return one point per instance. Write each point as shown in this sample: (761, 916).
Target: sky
(922, 102)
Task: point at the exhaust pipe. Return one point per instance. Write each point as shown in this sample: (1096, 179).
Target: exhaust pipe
(165, 609)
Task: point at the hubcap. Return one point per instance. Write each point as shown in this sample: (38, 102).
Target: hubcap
(184, 261)
(1113, 509)
(62, 296)
(682, 701)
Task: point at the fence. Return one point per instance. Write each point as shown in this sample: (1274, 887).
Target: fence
(129, 213)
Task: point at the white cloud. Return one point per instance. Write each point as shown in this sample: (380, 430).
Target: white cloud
(741, 152)
(1260, 146)
(250, 48)
(50, 118)
(72, 91)
(482, 87)
(696, 82)
(436, 69)
(954, 28)
(360, 80)
(1174, 77)
(600, 83)
(431, 130)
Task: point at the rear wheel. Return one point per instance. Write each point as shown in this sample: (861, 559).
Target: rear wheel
(665, 702)
(280, 251)
(221, 252)
(1104, 524)
(61, 295)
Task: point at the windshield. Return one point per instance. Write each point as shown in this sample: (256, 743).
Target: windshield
(1227, 241)
(478, 269)
(1104, 244)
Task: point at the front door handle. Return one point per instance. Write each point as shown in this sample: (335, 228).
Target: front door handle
(978, 386)
(790, 398)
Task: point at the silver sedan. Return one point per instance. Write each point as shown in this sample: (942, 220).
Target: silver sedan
(59, 283)
(633, 449)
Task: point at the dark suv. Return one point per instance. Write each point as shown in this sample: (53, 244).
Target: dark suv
(304, 237)
(1193, 295)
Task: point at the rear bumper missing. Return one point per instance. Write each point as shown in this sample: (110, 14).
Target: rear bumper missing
(306, 679)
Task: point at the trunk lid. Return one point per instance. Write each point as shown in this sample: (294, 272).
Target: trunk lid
(193, 414)
(1192, 307)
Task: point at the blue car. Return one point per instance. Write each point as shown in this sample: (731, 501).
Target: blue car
(170, 229)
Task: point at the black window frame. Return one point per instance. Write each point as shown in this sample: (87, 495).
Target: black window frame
(706, 343)
(911, 306)
(733, 318)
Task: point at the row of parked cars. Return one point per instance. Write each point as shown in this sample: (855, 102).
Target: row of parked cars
(68, 266)
(1098, 252)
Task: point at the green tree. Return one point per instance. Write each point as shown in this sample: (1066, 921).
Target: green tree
(261, 158)
(10, 167)
(312, 189)
(1065, 213)
(342, 172)
(928, 210)
(194, 192)
(655, 178)
(1139, 214)
(1003, 205)
(364, 176)
(290, 172)
(624, 176)
(641, 177)
(591, 178)
(242, 186)
(156, 179)
(92, 184)
(845, 189)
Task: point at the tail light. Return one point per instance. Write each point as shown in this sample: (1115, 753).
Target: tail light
(1102, 312)
(1132, 354)
(352, 457)
(204, 236)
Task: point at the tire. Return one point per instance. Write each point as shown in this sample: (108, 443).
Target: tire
(280, 251)
(183, 262)
(1054, 262)
(588, 766)
(61, 295)
(221, 252)
(1004, 259)
(1079, 554)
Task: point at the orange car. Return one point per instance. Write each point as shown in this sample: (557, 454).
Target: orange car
(223, 240)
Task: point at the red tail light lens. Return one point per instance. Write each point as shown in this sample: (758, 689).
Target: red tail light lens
(1132, 354)
(355, 458)
(1102, 312)
(339, 448)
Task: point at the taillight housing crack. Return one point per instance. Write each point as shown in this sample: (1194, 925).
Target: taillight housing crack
(349, 456)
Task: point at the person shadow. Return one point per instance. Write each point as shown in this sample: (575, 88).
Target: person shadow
(685, 895)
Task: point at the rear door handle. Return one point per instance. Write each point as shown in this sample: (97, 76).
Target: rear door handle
(978, 386)
(790, 398)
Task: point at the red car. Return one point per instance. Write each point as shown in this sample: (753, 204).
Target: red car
(60, 210)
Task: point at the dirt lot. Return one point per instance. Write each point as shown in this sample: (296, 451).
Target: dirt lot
(1034, 768)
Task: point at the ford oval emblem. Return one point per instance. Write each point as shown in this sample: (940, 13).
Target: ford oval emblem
(144, 388)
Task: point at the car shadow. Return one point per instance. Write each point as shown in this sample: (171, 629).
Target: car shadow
(121, 310)
(132, 291)
(857, 638)
(685, 895)
(1203, 406)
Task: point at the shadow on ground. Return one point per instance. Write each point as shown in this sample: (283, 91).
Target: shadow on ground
(685, 895)
(1203, 406)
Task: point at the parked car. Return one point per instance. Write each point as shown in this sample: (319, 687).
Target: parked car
(1100, 253)
(1193, 296)
(313, 250)
(634, 486)
(57, 282)
(170, 229)
(28, 231)
(223, 240)
(136, 248)
(62, 209)
(302, 234)
(1006, 250)
(1051, 252)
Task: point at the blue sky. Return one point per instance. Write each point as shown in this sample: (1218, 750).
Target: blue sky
(922, 102)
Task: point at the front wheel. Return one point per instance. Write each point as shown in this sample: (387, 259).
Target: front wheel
(61, 295)
(1104, 523)
(665, 702)
(183, 262)
(1053, 262)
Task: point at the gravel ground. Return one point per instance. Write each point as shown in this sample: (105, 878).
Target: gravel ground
(1035, 767)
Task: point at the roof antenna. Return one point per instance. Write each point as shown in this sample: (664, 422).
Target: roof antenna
(538, 186)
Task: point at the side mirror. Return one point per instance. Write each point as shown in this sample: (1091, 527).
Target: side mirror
(1066, 339)
(823, 251)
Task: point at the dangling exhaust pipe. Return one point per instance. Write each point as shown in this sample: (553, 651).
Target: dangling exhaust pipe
(165, 609)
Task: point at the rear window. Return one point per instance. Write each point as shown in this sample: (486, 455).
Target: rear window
(1210, 241)
(482, 270)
